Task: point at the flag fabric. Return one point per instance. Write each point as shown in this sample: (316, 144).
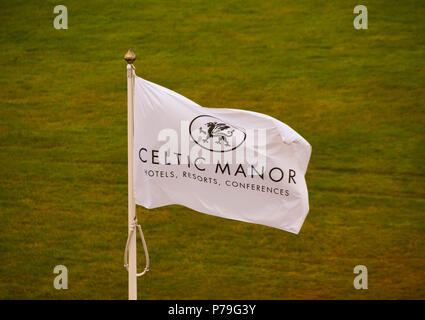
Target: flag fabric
(229, 163)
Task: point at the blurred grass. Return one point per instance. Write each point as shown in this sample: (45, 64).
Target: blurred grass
(356, 96)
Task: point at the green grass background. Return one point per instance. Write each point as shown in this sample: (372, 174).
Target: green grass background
(356, 95)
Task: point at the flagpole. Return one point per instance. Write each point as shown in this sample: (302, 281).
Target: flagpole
(130, 57)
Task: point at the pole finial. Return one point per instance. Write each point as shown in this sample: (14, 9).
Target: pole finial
(130, 56)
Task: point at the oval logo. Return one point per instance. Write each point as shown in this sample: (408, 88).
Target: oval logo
(215, 135)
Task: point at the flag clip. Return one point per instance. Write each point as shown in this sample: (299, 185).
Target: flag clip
(133, 227)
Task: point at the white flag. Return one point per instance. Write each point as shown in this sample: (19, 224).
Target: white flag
(230, 163)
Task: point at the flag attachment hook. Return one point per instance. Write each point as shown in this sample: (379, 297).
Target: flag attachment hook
(133, 227)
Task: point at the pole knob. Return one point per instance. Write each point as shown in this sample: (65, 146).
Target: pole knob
(130, 56)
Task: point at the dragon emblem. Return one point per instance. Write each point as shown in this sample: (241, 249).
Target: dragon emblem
(216, 129)
(213, 134)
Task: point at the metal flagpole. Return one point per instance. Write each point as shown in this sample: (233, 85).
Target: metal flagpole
(130, 57)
